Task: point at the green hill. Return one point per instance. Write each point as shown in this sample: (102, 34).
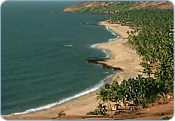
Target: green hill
(115, 6)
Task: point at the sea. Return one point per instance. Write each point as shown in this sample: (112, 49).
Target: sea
(44, 54)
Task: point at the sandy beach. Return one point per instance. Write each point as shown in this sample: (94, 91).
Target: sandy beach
(122, 56)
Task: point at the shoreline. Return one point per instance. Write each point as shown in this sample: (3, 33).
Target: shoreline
(121, 56)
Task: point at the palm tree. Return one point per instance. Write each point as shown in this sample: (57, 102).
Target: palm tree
(102, 109)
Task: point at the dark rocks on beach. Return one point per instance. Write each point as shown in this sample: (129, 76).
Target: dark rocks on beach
(89, 23)
(100, 61)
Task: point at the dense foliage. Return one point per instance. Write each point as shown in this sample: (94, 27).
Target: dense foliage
(153, 40)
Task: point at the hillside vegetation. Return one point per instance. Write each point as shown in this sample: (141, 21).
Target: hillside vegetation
(115, 6)
(154, 43)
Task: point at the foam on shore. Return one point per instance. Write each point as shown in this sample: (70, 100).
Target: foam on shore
(64, 100)
(110, 40)
(87, 91)
(113, 33)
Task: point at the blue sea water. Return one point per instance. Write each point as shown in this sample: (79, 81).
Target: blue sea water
(44, 53)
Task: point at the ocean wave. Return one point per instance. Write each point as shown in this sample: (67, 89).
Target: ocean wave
(103, 50)
(110, 40)
(87, 91)
(94, 45)
(107, 53)
(113, 33)
(68, 45)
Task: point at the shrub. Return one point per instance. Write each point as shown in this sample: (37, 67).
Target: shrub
(61, 113)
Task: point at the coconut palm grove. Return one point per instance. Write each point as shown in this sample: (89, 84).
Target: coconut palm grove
(152, 39)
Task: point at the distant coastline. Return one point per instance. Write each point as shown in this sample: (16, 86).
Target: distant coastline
(122, 57)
